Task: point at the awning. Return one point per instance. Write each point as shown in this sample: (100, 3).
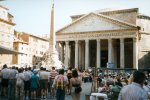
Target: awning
(5, 50)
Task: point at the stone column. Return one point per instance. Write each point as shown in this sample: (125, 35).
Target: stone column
(62, 52)
(135, 53)
(76, 54)
(57, 46)
(80, 55)
(98, 54)
(58, 49)
(86, 54)
(66, 53)
(109, 50)
(122, 65)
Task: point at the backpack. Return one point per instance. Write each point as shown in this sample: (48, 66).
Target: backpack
(60, 83)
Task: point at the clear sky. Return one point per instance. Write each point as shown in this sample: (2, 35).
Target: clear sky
(33, 16)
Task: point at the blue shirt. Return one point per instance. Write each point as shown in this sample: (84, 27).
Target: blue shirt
(34, 81)
(133, 91)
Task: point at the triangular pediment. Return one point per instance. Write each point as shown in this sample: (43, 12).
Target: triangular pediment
(95, 22)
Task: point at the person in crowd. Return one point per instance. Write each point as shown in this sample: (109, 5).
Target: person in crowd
(119, 82)
(91, 73)
(105, 78)
(53, 74)
(75, 81)
(134, 91)
(12, 83)
(27, 75)
(95, 82)
(69, 76)
(34, 85)
(115, 90)
(31, 73)
(0, 82)
(146, 86)
(20, 84)
(124, 81)
(43, 82)
(60, 83)
(116, 87)
(105, 88)
(5, 79)
(130, 79)
(86, 76)
(80, 74)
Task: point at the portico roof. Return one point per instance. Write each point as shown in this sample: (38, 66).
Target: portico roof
(5, 50)
(109, 19)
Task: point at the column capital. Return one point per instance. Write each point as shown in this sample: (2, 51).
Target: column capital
(86, 40)
(110, 40)
(134, 39)
(121, 40)
(66, 42)
(98, 40)
(76, 41)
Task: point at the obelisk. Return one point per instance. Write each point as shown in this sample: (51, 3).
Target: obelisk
(53, 60)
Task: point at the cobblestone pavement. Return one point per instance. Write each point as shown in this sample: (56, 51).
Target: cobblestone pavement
(86, 88)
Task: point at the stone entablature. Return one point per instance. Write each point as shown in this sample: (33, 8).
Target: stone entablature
(143, 17)
(93, 36)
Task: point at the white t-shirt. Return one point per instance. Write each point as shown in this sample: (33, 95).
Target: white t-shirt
(43, 75)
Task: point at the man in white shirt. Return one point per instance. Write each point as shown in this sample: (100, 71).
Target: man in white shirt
(134, 91)
(12, 83)
(43, 75)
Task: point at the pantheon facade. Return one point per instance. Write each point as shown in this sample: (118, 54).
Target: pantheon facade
(116, 38)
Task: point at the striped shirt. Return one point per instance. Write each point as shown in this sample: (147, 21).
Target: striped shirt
(53, 73)
(133, 91)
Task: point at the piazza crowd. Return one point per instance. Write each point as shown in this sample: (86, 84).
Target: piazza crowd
(31, 83)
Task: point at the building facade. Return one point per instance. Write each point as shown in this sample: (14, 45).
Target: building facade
(32, 47)
(106, 38)
(21, 46)
(6, 35)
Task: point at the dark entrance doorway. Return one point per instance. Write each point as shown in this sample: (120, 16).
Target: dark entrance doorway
(104, 59)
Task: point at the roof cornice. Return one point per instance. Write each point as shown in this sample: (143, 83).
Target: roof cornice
(8, 22)
(21, 42)
(37, 37)
(110, 12)
(120, 11)
(4, 7)
(143, 17)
